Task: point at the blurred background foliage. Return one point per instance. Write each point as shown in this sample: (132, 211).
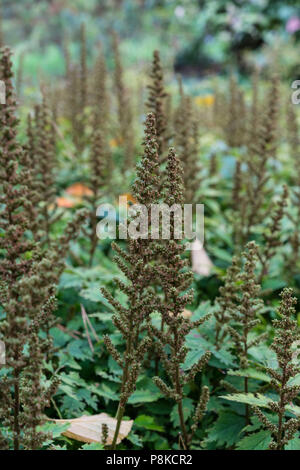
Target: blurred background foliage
(199, 37)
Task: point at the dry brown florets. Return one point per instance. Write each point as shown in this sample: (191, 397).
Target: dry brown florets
(287, 335)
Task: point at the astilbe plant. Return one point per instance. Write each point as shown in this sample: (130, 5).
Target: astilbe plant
(35, 394)
(255, 116)
(271, 239)
(39, 158)
(235, 123)
(75, 92)
(101, 111)
(219, 105)
(28, 275)
(187, 145)
(156, 103)
(226, 301)
(125, 134)
(15, 221)
(137, 265)
(294, 215)
(82, 89)
(98, 168)
(243, 309)
(252, 201)
(100, 90)
(72, 104)
(252, 193)
(83, 68)
(42, 151)
(175, 278)
(287, 336)
(20, 260)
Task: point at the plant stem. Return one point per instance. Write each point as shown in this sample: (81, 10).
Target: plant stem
(182, 425)
(178, 389)
(16, 414)
(281, 412)
(94, 238)
(119, 417)
(121, 407)
(247, 414)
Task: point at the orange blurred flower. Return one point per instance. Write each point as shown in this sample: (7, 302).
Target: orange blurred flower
(65, 202)
(79, 190)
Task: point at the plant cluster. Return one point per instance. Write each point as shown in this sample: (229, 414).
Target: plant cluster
(196, 357)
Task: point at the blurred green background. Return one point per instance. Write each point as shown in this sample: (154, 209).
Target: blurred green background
(199, 37)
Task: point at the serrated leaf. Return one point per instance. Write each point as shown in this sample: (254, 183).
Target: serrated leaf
(258, 400)
(144, 396)
(148, 422)
(227, 429)
(257, 441)
(54, 429)
(135, 439)
(192, 357)
(251, 373)
(106, 392)
(249, 398)
(94, 295)
(93, 446)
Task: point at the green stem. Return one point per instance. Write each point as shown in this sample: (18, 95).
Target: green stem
(182, 424)
(281, 413)
(119, 417)
(16, 414)
(121, 407)
(247, 413)
(178, 389)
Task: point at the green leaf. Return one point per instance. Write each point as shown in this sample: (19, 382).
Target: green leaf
(75, 349)
(161, 444)
(135, 439)
(86, 395)
(294, 444)
(94, 295)
(93, 446)
(143, 396)
(227, 429)
(251, 373)
(72, 407)
(295, 380)
(273, 284)
(69, 280)
(258, 400)
(188, 407)
(224, 356)
(148, 422)
(221, 254)
(146, 392)
(203, 309)
(54, 429)
(264, 355)
(257, 441)
(105, 375)
(249, 398)
(193, 356)
(60, 338)
(106, 392)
